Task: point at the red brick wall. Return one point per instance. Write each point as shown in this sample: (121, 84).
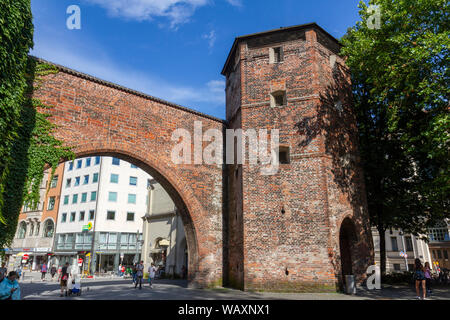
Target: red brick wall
(99, 119)
(296, 250)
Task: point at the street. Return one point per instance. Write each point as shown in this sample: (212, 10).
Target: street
(123, 289)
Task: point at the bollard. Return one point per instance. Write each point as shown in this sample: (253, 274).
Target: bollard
(350, 287)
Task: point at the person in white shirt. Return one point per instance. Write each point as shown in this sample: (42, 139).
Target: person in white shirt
(151, 274)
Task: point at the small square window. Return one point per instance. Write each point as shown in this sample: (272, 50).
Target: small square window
(86, 179)
(72, 216)
(88, 162)
(79, 164)
(130, 216)
(70, 166)
(84, 197)
(133, 166)
(97, 160)
(116, 161)
(278, 99)
(283, 157)
(131, 198)
(95, 178)
(66, 199)
(91, 214)
(93, 195)
(81, 215)
(77, 182)
(276, 55)
(133, 181)
(75, 198)
(114, 178)
(68, 183)
(64, 217)
(112, 196)
(111, 215)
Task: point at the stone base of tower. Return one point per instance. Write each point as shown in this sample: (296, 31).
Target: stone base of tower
(292, 286)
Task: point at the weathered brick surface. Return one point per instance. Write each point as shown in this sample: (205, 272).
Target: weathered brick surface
(99, 119)
(297, 250)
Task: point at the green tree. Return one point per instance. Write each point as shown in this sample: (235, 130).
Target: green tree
(401, 90)
(16, 39)
(27, 143)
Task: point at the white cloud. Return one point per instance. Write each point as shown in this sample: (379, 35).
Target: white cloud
(211, 37)
(235, 3)
(177, 11)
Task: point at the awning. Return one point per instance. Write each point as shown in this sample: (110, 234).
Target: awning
(20, 254)
(66, 253)
(164, 242)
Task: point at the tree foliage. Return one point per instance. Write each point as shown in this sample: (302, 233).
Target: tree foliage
(27, 143)
(401, 89)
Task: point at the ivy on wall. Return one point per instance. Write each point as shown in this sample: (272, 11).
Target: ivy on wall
(27, 144)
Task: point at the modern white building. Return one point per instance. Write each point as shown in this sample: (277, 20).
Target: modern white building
(102, 200)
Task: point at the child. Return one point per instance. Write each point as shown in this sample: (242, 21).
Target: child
(76, 288)
(427, 272)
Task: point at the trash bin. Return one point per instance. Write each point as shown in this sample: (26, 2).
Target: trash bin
(350, 287)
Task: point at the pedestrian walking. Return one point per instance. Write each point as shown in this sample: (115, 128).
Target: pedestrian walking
(19, 272)
(53, 271)
(419, 276)
(151, 274)
(123, 271)
(139, 274)
(3, 272)
(9, 287)
(43, 271)
(119, 271)
(64, 278)
(133, 271)
(427, 271)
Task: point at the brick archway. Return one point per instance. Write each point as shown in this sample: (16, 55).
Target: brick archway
(95, 117)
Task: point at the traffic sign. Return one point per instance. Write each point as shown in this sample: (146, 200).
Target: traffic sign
(25, 257)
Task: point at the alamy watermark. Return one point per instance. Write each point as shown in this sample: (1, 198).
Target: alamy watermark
(74, 20)
(374, 280)
(374, 20)
(259, 152)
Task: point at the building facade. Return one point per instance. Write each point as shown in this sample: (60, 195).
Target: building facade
(398, 243)
(163, 231)
(36, 226)
(439, 244)
(102, 199)
(306, 226)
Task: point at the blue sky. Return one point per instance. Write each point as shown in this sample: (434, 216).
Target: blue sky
(171, 49)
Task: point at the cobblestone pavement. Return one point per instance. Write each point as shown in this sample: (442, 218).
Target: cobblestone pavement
(123, 289)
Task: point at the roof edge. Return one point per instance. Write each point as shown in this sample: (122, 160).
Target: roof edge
(291, 28)
(125, 89)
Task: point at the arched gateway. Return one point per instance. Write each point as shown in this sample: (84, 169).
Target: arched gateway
(243, 229)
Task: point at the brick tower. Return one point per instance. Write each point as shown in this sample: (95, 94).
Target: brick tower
(306, 226)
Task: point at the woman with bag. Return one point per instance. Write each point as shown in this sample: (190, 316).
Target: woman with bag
(64, 279)
(419, 276)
